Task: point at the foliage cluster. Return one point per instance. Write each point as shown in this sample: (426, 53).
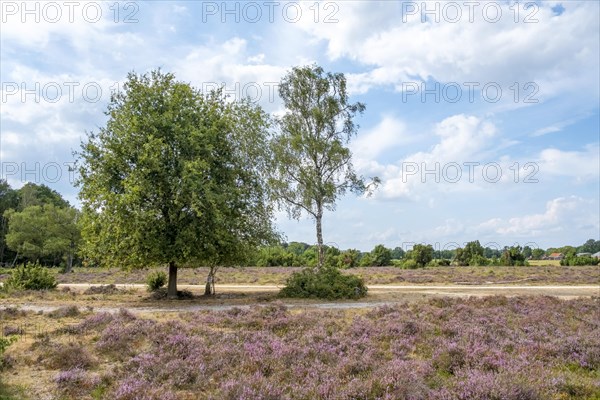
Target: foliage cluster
(156, 280)
(37, 225)
(175, 177)
(30, 277)
(298, 254)
(324, 283)
(579, 260)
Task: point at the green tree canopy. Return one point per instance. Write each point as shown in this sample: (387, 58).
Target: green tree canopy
(298, 248)
(175, 178)
(471, 254)
(421, 254)
(537, 253)
(32, 194)
(590, 246)
(46, 230)
(313, 165)
(513, 256)
(9, 199)
(349, 258)
(381, 256)
(398, 253)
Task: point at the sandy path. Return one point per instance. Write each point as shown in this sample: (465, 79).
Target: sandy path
(566, 291)
(584, 290)
(378, 291)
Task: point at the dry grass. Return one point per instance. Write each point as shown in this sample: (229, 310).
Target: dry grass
(31, 376)
(544, 263)
(536, 274)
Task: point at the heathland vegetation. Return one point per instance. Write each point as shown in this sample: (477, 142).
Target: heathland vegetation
(179, 184)
(181, 178)
(491, 348)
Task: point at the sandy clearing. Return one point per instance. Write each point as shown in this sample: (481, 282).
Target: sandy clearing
(399, 294)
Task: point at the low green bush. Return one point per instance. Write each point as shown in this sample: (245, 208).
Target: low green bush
(439, 262)
(410, 264)
(30, 277)
(65, 311)
(4, 343)
(156, 280)
(325, 283)
(579, 261)
(397, 263)
(478, 261)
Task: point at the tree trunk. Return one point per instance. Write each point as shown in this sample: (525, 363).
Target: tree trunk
(70, 257)
(209, 289)
(5, 249)
(3, 241)
(69, 263)
(172, 290)
(320, 255)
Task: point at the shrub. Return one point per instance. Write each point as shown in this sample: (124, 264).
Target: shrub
(161, 293)
(102, 289)
(4, 343)
(120, 338)
(10, 330)
(366, 260)
(12, 313)
(76, 382)
(381, 255)
(397, 263)
(439, 262)
(410, 264)
(95, 322)
(65, 311)
(156, 280)
(134, 389)
(579, 261)
(30, 277)
(513, 256)
(325, 283)
(478, 260)
(422, 254)
(349, 259)
(65, 356)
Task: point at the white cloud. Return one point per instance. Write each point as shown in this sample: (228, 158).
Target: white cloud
(226, 64)
(450, 228)
(389, 133)
(549, 52)
(581, 165)
(180, 9)
(556, 127)
(37, 24)
(462, 139)
(10, 138)
(466, 159)
(546, 130)
(388, 235)
(257, 59)
(561, 214)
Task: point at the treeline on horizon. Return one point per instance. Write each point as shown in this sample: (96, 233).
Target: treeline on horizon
(300, 254)
(38, 225)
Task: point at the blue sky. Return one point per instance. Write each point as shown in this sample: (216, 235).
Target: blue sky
(482, 118)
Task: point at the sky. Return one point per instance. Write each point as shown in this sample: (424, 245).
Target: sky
(482, 118)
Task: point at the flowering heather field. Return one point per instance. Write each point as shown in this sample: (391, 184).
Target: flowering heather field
(490, 348)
